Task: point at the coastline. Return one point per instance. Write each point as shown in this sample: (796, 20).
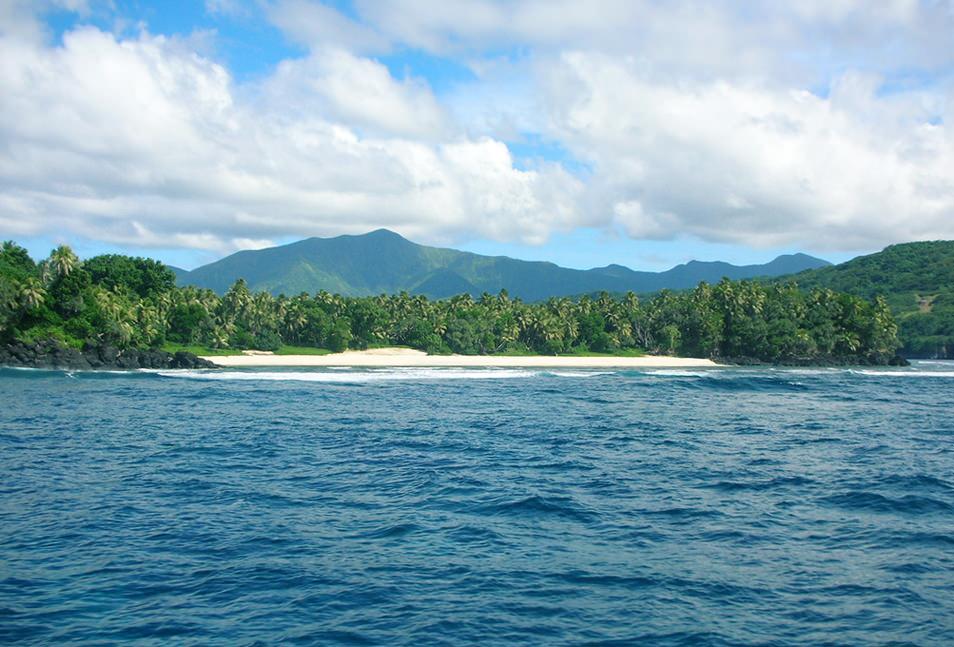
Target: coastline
(402, 357)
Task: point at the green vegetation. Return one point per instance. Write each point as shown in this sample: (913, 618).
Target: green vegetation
(197, 349)
(301, 350)
(205, 351)
(382, 262)
(916, 280)
(132, 303)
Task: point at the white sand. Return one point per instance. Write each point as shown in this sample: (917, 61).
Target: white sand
(407, 357)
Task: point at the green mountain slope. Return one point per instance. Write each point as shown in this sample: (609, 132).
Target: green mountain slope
(383, 262)
(917, 280)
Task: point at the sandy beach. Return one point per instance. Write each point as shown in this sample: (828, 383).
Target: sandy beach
(406, 357)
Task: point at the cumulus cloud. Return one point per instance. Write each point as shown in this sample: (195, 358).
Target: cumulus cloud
(143, 142)
(357, 91)
(754, 164)
(823, 124)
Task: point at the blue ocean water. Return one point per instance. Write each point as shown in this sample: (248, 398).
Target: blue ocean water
(450, 506)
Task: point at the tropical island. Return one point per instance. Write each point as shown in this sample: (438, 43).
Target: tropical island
(114, 310)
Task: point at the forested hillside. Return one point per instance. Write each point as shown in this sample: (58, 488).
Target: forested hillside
(916, 279)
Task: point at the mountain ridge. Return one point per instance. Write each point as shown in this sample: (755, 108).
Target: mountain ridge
(382, 261)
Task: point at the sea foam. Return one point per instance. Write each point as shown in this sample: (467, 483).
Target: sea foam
(902, 373)
(352, 377)
(679, 373)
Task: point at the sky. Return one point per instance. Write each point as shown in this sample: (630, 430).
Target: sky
(639, 132)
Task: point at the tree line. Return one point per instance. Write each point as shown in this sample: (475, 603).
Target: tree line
(134, 302)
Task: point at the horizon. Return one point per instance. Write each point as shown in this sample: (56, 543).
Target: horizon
(622, 133)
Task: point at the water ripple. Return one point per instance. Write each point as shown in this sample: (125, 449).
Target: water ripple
(444, 507)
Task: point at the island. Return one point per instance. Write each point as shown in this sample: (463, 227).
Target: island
(114, 311)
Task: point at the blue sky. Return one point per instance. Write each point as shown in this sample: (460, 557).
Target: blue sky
(637, 132)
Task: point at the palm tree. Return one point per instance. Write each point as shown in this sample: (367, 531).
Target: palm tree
(525, 319)
(31, 294)
(120, 315)
(294, 320)
(219, 335)
(462, 301)
(63, 261)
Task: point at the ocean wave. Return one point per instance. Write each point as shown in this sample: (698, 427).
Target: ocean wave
(579, 373)
(749, 381)
(536, 505)
(740, 486)
(352, 377)
(874, 502)
(916, 481)
(809, 371)
(902, 373)
(389, 532)
(678, 373)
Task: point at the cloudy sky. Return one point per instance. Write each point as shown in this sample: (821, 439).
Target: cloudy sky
(643, 132)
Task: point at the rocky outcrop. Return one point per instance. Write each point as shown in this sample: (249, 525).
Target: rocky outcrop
(897, 360)
(52, 354)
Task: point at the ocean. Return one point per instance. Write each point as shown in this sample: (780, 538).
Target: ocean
(480, 506)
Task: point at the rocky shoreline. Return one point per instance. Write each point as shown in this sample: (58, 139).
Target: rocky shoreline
(814, 362)
(51, 354)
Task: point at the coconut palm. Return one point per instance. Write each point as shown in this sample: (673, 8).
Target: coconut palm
(63, 261)
(31, 294)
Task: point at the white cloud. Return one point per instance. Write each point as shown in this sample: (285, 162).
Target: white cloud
(754, 164)
(798, 40)
(819, 123)
(316, 25)
(359, 92)
(143, 142)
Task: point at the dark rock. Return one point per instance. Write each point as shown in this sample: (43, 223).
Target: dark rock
(155, 359)
(184, 359)
(897, 360)
(51, 354)
(108, 354)
(129, 359)
(83, 365)
(23, 353)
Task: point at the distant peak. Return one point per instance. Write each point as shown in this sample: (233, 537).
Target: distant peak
(375, 235)
(380, 234)
(695, 263)
(801, 257)
(383, 233)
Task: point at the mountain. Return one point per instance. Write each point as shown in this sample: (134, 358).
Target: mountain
(384, 262)
(178, 271)
(917, 280)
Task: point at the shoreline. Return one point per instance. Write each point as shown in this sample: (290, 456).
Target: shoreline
(400, 357)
